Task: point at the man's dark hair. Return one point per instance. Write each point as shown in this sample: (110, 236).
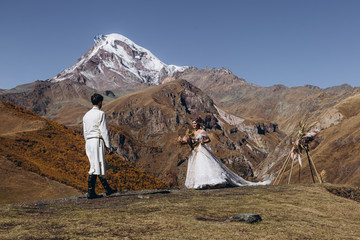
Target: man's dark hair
(96, 99)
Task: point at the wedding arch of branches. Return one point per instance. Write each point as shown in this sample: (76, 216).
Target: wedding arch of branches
(301, 145)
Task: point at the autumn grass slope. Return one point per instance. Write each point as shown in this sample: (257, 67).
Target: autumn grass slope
(54, 151)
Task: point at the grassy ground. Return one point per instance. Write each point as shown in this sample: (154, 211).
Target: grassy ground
(288, 212)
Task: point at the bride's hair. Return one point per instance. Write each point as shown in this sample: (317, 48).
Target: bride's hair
(199, 122)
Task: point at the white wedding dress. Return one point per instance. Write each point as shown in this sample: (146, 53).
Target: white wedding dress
(205, 170)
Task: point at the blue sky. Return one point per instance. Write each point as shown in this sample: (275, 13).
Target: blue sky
(266, 42)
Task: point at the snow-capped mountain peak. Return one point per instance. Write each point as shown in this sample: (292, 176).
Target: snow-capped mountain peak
(115, 61)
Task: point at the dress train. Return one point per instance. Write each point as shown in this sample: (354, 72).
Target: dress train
(205, 170)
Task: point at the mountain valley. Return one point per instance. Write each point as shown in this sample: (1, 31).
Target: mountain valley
(149, 104)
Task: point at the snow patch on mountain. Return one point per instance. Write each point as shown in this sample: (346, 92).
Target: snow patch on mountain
(119, 55)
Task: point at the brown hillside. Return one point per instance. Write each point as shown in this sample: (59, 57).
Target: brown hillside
(58, 153)
(336, 149)
(280, 104)
(13, 122)
(339, 150)
(18, 185)
(217, 83)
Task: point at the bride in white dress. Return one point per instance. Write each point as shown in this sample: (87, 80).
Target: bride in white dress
(205, 170)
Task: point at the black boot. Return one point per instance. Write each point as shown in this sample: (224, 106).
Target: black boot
(91, 187)
(105, 184)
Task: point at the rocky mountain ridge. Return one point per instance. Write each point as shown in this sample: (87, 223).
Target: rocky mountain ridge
(145, 125)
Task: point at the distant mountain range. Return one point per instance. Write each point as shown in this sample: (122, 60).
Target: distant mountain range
(149, 103)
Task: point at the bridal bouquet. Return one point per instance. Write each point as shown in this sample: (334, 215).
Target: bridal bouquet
(188, 138)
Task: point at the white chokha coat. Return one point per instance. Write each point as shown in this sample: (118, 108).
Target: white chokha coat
(97, 138)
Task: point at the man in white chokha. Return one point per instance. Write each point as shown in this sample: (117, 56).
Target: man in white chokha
(97, 141)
